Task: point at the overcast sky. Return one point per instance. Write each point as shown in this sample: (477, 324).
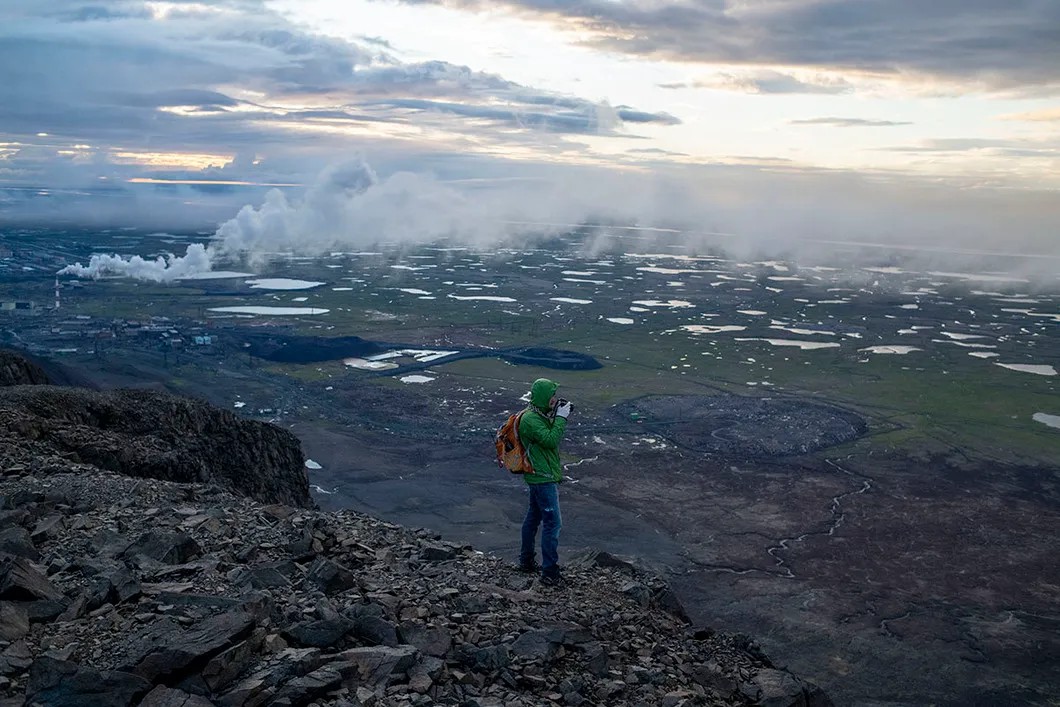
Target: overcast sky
(883, 119)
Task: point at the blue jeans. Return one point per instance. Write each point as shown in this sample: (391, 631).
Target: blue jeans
(543, 509)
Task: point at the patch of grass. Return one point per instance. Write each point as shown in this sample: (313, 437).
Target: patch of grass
(989, 415)
(953, 401)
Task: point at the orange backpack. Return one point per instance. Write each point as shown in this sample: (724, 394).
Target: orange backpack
(511, 454)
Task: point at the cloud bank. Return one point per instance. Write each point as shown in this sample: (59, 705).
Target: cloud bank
(347, 206)
(174, 89)
(997, 44)
(755, 212)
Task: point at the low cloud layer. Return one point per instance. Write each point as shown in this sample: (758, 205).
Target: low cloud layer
(805, 215)
(347, 206)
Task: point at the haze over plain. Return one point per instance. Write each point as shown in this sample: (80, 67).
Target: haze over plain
(781, 125)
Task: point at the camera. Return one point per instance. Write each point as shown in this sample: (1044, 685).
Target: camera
(564, 401)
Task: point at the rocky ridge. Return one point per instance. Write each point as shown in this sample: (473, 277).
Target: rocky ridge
(119, 591)
(16, 369)
(122, 590)
(46, 428)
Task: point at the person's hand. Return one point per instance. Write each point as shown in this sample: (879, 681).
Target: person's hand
(564, 409)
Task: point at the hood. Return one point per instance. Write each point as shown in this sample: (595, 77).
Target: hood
(541, 392)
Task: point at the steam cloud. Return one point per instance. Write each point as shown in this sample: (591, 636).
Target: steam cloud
(350, 205)
(347, 205)
(197, 259)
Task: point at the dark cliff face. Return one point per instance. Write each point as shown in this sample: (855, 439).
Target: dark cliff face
(149, 434)
(16, 369)
(20, 368)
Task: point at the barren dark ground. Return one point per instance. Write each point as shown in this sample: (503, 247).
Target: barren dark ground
(887, 580)
(886, 525)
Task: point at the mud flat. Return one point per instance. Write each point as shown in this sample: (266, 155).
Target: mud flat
(744, 427)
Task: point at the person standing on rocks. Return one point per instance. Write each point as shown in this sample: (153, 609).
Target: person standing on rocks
(540, 431)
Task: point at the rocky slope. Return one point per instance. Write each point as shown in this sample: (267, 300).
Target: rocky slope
(119, 586)
(142, 433)
(119, 591)
(16, 369)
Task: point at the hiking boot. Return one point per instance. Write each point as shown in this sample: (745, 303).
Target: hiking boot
(552, 579)
(530, 567)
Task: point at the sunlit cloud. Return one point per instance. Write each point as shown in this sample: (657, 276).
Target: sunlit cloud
(211, 182)
(850, 122)
(1045, 115)
(173, 160)
(1011, 147)
(768, 81)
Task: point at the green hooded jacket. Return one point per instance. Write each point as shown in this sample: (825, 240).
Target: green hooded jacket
(540, 432)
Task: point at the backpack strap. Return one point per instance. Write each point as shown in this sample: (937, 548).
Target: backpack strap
(526, 445)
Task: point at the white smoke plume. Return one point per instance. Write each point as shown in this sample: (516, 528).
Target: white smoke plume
(196, 259)
(347, 205)
(786, 215)
(350, 205)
